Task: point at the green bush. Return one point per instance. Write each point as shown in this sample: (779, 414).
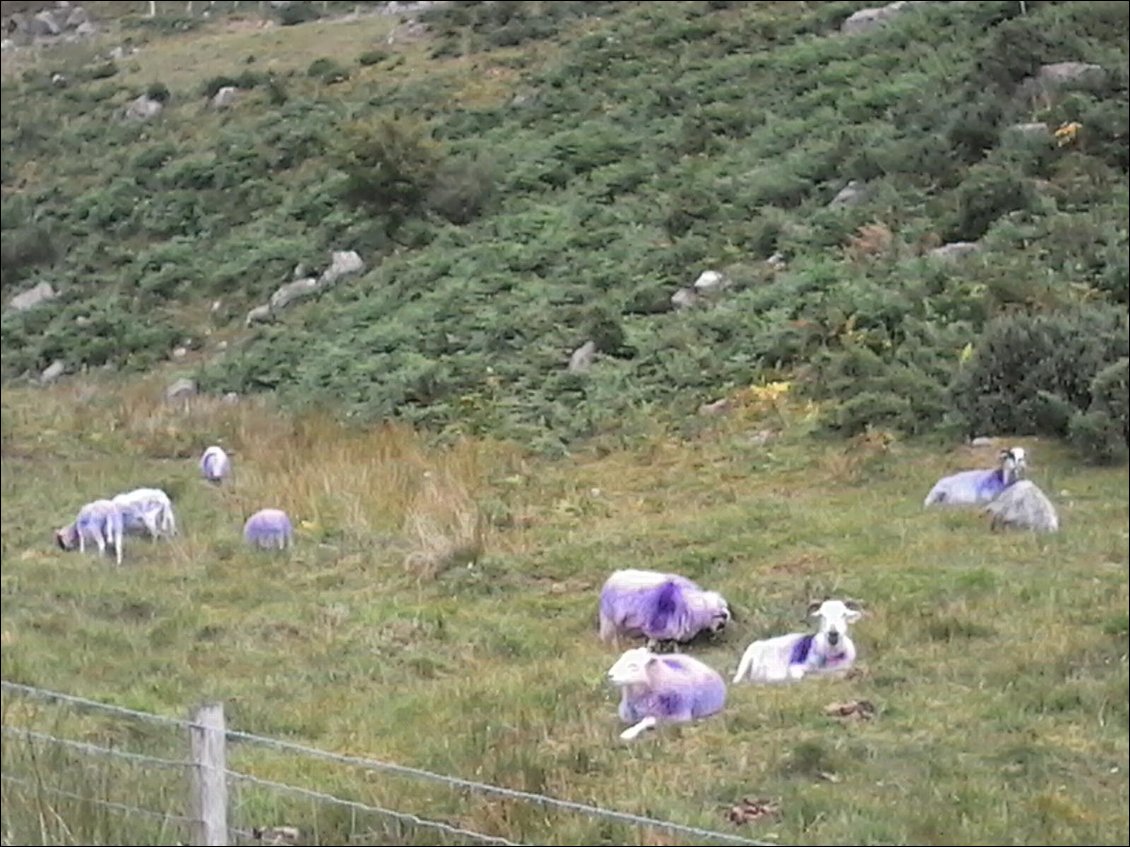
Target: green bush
(988, 191)
(1102, 433)
(1030, 373)
(327, 70)
(298, 12)
(390, 164)
(157, 91)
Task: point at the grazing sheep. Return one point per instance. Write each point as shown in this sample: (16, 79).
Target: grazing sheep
(827, 652)
(147, 510)
(664, 689)
(101, 521)
(269, 529)
(969, 488)
(1023, 506)
(215, 465)
(658, 606)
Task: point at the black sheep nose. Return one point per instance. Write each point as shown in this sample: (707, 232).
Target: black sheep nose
(833, 638)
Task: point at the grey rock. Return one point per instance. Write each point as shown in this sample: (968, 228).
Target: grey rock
(684, 298)
(143, 108)
(343, 263)
(293, 291)
(582, 357)
(867, 20)
(182, 389)
(851, 194)
(260, 314)
(225, 97)
(44, 24)
(711, 282)
(52, 372)
(1065, 74)
(956, 250)
(981, 441)
(34, 296)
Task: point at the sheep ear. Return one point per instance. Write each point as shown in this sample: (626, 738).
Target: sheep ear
(814, 606)
(853, 605)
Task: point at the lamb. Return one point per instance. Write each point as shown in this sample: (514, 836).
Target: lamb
(829, 651)
(147, 510)
(664, 689)
(658, 606)
(970, 488)
(215, 466)
(1023, 506)
(100, 521)
(268, 529)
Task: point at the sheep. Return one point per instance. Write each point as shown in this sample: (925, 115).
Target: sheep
(1023, 506)
(659, 606)
(829, 651)
(147, 510)
(101, 521)
(269, 528)
(215, 466)
(664, 689)
(970, 488)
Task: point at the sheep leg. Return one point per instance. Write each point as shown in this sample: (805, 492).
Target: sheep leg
(644, 725)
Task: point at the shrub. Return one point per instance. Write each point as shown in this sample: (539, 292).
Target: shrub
(390, 164)
(372, 57)
(327, 70)
(463, 186)
(989, 191)
(1030, 373)
(298, 13)
(1102, 433)
(157, 91)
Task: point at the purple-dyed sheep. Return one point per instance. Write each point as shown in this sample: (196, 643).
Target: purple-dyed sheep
(664, 689)
(215, 466)
(827, 652)
(100, 521)
(149, 511)
(269, 529)
(659, 607)
(969, 488)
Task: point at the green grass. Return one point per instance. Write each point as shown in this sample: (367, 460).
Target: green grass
(589, 160)
(997, 663)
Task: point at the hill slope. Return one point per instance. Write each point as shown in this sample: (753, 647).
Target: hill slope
(521, 178)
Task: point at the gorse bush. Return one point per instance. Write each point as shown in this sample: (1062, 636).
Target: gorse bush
(1030, 374)
(1102, 433)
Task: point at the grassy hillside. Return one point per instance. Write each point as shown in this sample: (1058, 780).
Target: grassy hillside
(996, 662)
(521, 178)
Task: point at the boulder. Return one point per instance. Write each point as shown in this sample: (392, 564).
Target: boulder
(33, 297)
(292, 291)
(866, 20)
(182, 389)
(52, 372)
(582, 357)
(143, 108)
(343, 263)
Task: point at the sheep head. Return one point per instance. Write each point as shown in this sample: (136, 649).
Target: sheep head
(712, 605)
(632, 667)
(835, 618)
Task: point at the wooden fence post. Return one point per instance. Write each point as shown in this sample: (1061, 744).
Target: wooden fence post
(209, 806)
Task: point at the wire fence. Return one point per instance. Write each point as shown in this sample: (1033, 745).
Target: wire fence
(78, 771)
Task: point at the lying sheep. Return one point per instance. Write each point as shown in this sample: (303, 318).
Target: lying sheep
(827, 652)
(664, 689)
(974, 487)
(659, 607)
(100, 521)
(1023, 506)
(215, 466)
(269, 529)
(147, 510)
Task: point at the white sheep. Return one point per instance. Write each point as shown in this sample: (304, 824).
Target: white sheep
(147, 510)
(664, 689)
(1023, 506)
(215, 465)
(101, 521)
(829, 651)
(970, 488)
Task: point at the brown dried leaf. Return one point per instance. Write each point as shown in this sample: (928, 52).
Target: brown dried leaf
(751, 809)
(859, 709)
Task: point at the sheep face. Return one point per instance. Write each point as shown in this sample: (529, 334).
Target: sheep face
(631, 667)
(835, 618)
(713, 604)
(1014, 464)
(67, 537)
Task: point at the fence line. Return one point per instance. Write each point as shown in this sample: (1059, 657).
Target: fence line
(405, 817)
(389, 767)
(96, 749)
(39, 788)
